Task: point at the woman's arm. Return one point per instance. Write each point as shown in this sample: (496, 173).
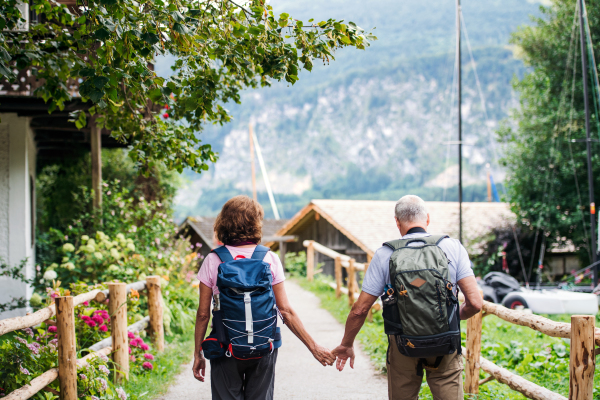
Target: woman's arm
(202, 318)
(292, 320)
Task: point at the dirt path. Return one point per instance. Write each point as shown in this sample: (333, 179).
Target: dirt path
(298, 374)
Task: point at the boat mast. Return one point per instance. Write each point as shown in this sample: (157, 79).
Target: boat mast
(584, 68)
(459, 93)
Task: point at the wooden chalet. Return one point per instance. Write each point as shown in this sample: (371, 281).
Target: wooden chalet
(357, 228)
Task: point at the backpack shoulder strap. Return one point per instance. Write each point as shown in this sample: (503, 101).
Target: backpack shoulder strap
(395, 244)
(260, 252)
(223, 254)
(400, 243)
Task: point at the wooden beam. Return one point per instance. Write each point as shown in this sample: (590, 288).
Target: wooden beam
(155, 310)
(338, 276)
(67, 353)
(583, 362)
(473, 355)
(351, 283)
(118, 324)
(310, 261)
(13, 324)
(96, 139)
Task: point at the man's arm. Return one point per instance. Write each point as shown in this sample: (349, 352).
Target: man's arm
(355, 321)
(202, 318)
(473, 301)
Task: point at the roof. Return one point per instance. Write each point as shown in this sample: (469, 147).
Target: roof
(203, 226)
(370, 223)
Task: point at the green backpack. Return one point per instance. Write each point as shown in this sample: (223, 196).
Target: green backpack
(419, 307)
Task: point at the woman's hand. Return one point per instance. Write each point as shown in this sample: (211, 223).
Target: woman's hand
(199, 368)
(344, 353)
(323, 355)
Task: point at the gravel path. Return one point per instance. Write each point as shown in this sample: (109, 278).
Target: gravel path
(298, 375)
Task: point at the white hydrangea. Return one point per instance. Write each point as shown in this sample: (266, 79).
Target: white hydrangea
(50, 275)
(68, 248)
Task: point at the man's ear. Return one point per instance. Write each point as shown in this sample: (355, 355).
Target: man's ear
(398, 223)
(428, 219)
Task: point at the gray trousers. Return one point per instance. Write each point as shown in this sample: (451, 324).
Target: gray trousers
(233, 379)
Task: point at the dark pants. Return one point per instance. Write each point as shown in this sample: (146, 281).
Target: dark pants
(233, 379)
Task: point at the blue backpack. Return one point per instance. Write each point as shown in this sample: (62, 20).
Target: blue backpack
(245, 325)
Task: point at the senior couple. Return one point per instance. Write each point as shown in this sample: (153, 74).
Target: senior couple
(238, 227)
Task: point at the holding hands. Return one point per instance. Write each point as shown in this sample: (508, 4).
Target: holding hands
(343, 353)
(323, 355)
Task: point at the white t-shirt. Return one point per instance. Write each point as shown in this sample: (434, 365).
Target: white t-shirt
(378, 274)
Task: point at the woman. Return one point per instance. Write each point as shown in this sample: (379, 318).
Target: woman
(239, 228)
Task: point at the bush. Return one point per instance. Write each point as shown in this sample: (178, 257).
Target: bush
(295, 263)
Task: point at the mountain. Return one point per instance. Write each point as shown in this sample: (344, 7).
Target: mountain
(374, 124)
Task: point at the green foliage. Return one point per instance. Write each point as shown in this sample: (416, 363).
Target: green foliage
(295, 264)
(57, 186)
(28, 353)
(547, 173)
(109, 46)
(502, 240)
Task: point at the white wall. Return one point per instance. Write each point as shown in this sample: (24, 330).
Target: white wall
(17, 169)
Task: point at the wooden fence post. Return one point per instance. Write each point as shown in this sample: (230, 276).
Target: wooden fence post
(118, 326)
(155, 310)
(67, 353)
(473, 355)
(338, 276)
(351, 282)
(583, 361)
(310, 261)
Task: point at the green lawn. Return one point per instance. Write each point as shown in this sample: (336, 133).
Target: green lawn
(539, 358)
(178, 351)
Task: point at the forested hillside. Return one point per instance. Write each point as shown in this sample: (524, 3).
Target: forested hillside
(373, 124)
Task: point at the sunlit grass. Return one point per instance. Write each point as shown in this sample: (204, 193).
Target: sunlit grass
(178, 351)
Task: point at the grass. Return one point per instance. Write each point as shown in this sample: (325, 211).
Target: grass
(178, 351)
(539, 358)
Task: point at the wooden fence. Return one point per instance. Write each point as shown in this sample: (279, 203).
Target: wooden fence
(581, 331)
(116, 344)
(341, 261)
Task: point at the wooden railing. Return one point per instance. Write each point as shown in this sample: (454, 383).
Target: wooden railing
(581, 331)
(116, 344)
(341, 261)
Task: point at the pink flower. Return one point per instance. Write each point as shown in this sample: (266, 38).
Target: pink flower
(85, 318)
(130, 335)
(135, 342)
(26, 371)
(86, 303)
(103, 328)
(52, 329)
(144, 346)
(91, 324)
(132, 358)
(130, 350)
(98, 319)
(28, 331)
(147, 365)
(149, 356)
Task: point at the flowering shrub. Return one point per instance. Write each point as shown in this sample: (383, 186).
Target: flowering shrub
(139, 353)
(24, 355)
(94, 383)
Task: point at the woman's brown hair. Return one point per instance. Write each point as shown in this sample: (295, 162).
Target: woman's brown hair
(240, 221)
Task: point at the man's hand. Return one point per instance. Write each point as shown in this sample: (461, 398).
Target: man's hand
(199, 368)
(343, 353)
(323, 355)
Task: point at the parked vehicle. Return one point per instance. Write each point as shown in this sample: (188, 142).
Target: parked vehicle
(503, 289)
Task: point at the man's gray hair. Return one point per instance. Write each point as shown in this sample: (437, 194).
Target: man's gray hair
(411, 208)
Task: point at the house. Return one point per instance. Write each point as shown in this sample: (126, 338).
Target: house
(357, 228)
(200, 230)
(29, 137)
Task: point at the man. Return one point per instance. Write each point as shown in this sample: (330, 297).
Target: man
(444, 377)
